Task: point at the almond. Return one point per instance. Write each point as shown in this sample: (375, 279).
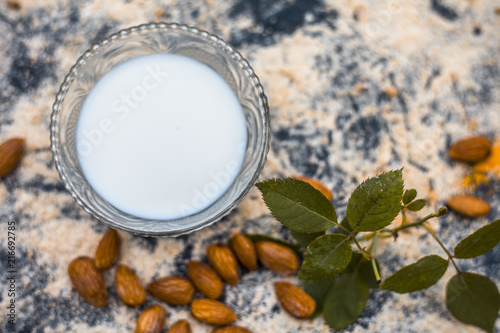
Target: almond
(468, 205)
(205, 279)
(108, 250)
(88, 280)
(295, 300)
(11, 152)
(172, 289)
(231, 329)
(245, 251)
(128, 287)
(182, 326)
(151, 320)
(278, 258)
(212, 312)
(317, 185)
(14, 4)
(471, 150)
(390, 91)
(224, 262)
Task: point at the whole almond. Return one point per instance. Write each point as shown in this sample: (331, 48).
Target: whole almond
(317, 185)
(172, 289)
(231, 329)
(205, 279)
(468, 205)
(88, 280)
(471, 150)
(276, 257)
(11, 152)
(151, 320)
(108, 250)
(212, 312)
(128, 287)
(182, 326)
(245, 251)
(224, 262)
(295, 300)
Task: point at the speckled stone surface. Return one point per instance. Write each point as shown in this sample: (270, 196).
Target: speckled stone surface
(355, 88)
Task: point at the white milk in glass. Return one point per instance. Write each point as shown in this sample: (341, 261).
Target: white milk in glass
(161, 136)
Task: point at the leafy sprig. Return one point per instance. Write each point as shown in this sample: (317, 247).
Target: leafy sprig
(338, 272)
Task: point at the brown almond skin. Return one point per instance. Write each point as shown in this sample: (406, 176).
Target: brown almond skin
(224, 262)
(205, 279)
(295, 300)
(212, 312)
(277, 258)
(231, 329)
(471, 150)
(468, 205)
(151, 320)
(11, 152)
(245, 251)
(317, 185)
(108, 250)
(88, 280)
(174, 290)
(182, 326)
(128, 287)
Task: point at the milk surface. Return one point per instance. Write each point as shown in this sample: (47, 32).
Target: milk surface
(161, 136)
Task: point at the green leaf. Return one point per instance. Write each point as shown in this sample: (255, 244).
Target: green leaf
(409, 196)
(305, 239)
(346, 225)
(376, 202)
(480, 242)
(318, 291)
(473, 299)
(259, 237)
(420, 275)
(345, 301)
(355, 261)
(416, 205)
(367, 273)
(325, 257)
(364, 268)
(298, 205)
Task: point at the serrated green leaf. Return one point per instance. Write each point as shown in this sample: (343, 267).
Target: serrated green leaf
(367, 273)
(355, 261)
(364, 268)
(305, 239)
(473, 299)
(376, 202)
(420, 275)
(409, 196)
(416, 205)
(480, 242)
(325, 257)
(298, 205)
(345, 301)
(318, 291)
(258, 237)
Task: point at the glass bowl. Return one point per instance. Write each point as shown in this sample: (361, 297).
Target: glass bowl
(138, 41)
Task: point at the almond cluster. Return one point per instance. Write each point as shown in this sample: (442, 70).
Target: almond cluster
(208, 278)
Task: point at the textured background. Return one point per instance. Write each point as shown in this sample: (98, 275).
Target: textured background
(330, 69)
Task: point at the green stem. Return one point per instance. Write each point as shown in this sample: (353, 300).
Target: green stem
(363, 251)
(372, 253)
(403, 216)
(366, 237)
(442, 211)
(450, 257)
